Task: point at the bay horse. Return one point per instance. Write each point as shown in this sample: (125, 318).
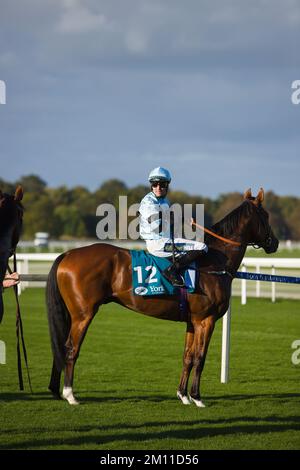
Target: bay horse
(83, 279)
(11, 217)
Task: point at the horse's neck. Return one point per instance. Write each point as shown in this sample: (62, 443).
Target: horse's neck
(228, 255)
(232, 254)
(235, 256)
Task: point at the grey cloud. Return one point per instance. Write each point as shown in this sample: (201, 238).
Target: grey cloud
(201, 86)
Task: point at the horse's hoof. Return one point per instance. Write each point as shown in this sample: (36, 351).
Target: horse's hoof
(198, 403)
(68, 395)
(184, 398)
(56, 394)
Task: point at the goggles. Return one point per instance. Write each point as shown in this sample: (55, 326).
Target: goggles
(161, 184)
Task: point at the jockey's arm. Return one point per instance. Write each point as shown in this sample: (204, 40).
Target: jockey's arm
(150, 219)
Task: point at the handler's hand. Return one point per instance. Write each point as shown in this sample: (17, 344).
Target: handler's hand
(11, 280)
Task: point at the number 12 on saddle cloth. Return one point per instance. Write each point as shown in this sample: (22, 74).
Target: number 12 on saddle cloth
(147, 279)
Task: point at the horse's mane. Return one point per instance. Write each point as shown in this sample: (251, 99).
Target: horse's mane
(229, 224)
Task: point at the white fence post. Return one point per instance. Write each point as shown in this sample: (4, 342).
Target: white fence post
(25, 271)
(273, 286)
(257, 282)
(244, 287)
(225, 345)
(20, 271)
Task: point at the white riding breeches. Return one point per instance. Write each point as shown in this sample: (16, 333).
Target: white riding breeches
(163, 246)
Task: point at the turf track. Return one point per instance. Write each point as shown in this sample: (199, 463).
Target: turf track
(127, 375)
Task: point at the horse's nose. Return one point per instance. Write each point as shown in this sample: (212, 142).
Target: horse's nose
(273, 245)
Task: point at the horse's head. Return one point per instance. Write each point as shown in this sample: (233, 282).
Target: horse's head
(260, 232)
(11, 216)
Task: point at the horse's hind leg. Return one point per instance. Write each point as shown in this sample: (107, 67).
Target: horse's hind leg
(76, 336)
(55, 381)
(203, 332)
(187, 365)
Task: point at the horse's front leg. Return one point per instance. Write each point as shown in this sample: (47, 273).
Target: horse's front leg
(203, 332)
(187, 365)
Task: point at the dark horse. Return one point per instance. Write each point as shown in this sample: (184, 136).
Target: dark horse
(11, 215)
(83, 279)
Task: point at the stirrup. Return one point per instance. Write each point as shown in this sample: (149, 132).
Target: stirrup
(174, 278)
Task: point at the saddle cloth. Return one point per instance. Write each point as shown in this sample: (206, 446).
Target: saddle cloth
(148, 280)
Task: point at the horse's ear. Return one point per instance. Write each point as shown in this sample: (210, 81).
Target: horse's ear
(248, 194)
(260, 197)
(19, 194)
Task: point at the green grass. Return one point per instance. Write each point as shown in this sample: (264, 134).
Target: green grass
(127, 375)
(281, 253)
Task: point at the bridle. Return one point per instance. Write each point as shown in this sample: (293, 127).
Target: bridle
(263, 222)
(19, 325)
(265, 244)
(215, 235)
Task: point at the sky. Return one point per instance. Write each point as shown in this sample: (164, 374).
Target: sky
(101, 89)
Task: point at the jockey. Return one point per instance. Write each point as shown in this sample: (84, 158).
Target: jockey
(155, 228)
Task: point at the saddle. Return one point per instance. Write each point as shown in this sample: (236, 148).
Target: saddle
(147, 277)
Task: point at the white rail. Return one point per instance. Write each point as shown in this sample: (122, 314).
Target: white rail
(257, 263)
(270, 264)
(23, 261)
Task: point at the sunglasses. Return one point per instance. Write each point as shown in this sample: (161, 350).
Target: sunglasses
(162, 185)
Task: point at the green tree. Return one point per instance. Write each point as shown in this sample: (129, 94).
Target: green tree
(294, 222)
(71, 212)
(32, 184)
(71, 221)
(110, 191)
(225, 204)
(6, 187)
(39, 216)
(277, 219)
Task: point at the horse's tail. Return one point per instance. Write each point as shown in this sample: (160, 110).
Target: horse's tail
(58, 317)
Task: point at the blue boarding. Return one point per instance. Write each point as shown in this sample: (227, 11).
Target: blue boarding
(147, 279)
(267, 277)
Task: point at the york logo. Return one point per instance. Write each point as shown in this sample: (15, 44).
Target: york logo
(296, 354)
(2, 352)
(2, 92)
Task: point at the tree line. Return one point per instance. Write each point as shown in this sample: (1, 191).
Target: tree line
(71, 212)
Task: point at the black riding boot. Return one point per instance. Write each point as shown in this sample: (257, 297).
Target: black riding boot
(172, 273)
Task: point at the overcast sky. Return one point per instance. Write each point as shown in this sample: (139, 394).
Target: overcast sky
(99, 89)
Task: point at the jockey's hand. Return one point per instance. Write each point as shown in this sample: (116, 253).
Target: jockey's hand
(11, 280)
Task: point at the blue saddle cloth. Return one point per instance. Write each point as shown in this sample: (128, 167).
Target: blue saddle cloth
(148, 280)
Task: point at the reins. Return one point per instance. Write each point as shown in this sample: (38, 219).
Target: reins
(213, 234)
(20, 333)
